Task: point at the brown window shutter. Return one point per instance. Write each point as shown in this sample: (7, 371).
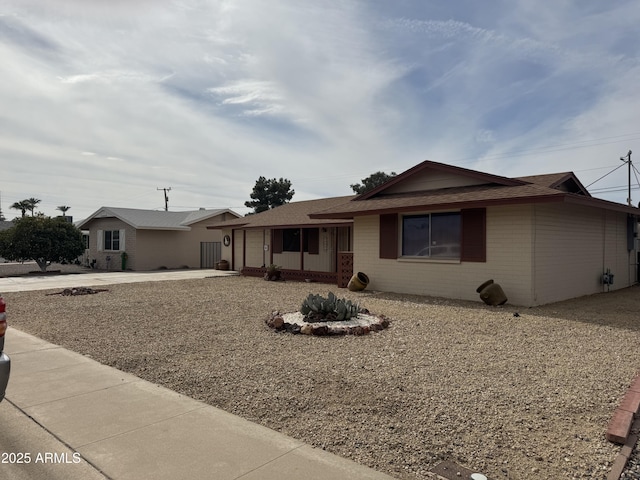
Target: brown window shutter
(389, 235)
(276, 241)
(474, 235)
(313, 239)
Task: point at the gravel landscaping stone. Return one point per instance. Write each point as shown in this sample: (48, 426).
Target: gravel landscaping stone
(512, 396)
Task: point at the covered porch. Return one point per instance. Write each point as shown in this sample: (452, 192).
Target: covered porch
(302, 253)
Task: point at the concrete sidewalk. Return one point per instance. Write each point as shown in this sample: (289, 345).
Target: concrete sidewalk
(127, 428)
(91, 279)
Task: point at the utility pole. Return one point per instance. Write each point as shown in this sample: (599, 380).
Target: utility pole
(166, 198)
(628, 162)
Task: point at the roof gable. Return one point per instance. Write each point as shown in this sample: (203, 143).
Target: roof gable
(430, 175)
(565, 182)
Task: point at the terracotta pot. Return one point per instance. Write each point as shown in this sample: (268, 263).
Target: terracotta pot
(492, 293)
(358, 282)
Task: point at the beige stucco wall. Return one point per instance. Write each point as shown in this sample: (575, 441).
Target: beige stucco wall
(508, 261)
(569, 245)
(173, 249)
(237, 244)
(573, 248)
(226, 251)
(152, 249)
(101, 257)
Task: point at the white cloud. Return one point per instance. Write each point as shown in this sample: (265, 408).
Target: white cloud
(217, 93)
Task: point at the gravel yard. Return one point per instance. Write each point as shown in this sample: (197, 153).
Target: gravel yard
(517, 397)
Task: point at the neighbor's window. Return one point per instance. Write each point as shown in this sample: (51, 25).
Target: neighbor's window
(435, 235)
(112, 239)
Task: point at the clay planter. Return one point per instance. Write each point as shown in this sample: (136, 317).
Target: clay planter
(358, 282)
(492, 293)
(223, 265)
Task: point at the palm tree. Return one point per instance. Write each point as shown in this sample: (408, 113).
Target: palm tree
(63, 209)
(23, 206)
(32, 202)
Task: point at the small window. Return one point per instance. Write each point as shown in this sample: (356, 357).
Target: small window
(435, 235)
(112, 239)
(291, 240)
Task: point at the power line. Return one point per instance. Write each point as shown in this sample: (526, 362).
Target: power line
(617, 188)
(605, 175)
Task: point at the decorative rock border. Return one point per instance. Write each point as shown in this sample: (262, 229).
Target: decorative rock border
(295, 323)
(79, 291)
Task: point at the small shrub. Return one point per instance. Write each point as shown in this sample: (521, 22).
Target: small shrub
(318, 308)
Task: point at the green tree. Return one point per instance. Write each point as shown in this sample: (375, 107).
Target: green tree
(371, 182)
(23, 206)
(270, 194)
(45, 240)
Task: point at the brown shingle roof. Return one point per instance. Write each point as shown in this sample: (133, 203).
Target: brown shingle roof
(546, 180)
(533, 189)
(294, 214)
(445, 198)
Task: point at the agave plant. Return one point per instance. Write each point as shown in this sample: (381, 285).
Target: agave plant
(331, 308)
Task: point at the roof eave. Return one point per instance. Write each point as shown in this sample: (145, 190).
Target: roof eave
(551, 198)
(297, 225)
(445, 206)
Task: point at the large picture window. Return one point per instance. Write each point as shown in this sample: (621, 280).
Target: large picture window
(435, 235)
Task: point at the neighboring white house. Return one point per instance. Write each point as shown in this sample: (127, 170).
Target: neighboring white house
(152, 239)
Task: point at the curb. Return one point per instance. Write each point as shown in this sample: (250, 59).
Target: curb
(622, 429)
(621, 460)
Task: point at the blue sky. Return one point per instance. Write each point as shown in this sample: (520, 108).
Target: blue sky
(103, 101)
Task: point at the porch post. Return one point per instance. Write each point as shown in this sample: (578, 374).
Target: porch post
(301, 249)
